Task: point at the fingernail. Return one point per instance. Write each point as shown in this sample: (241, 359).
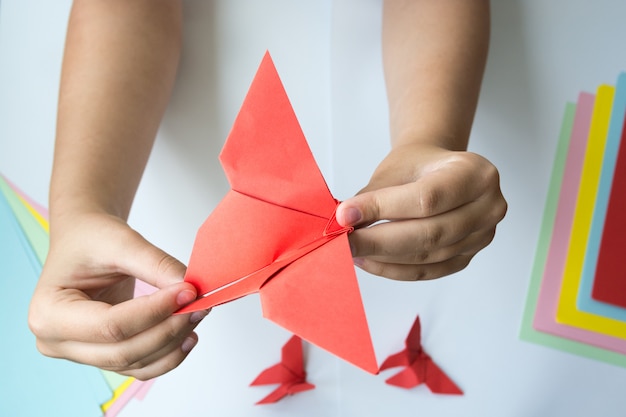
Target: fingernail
(185, 297)
(196, 316)
(358, 262)
(188, 344)
(352, 216)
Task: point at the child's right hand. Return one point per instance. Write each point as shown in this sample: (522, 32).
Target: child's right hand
(83, 307)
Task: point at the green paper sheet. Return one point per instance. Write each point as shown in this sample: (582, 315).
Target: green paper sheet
(527, 332)
(32, 384)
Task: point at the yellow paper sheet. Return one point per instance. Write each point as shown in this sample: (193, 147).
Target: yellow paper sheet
(117, 383)
(567, 312)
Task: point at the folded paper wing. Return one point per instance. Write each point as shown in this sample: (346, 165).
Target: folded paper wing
(419, 367)
(275, 232)
(289, 373)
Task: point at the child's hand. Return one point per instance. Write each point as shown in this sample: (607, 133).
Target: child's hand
(83, 310)
(442, 208)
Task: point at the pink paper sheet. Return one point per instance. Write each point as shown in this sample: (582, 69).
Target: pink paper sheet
(545, 315)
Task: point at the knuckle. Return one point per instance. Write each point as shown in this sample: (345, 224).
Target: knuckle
(141, 375)
(121, 359)
(489, 236)
(174, 334)
(501, 209)
(472, 160)
(432, 237)
(152, 312)
(45, 349)
(461, 263)
(166, 264)
(420, 256)
(490, 172)
(162, 366)
(374, 210)
(479, 241)
(43, 327)
(427, 200)
(487, 173)
(112, 331)
(37, 323)
(140, 363)
(490, 175)
(496, 213)
(469, 163)
(418, 274)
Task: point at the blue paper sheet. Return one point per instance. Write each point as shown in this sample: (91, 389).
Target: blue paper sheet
(30, 383)
(584, 300)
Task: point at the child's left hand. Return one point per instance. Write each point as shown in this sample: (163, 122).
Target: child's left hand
(438, 209)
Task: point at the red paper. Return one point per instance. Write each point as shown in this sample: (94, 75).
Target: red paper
(419, 367)
(609, 283)
(289, 373)
(275, 232)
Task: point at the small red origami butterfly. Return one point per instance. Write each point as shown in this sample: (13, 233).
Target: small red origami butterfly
(419, 367)
(289, 373)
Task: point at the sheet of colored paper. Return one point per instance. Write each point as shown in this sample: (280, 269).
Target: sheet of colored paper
(34, 385)
(566, 311)
(132, 388)
(610, 282)
(36, 210)
(557, 254)
(36, 237)
(32, 219)
(527, 332)
(129, 389)
(42, 212)
(611, 270)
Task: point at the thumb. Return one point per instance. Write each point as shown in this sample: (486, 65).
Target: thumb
(360, 210)
(389, 203)
(150, 264)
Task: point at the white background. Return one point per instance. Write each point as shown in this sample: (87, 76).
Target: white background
(328, 55)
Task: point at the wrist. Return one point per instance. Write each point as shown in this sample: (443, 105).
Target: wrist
(422, 137)
(68, 211)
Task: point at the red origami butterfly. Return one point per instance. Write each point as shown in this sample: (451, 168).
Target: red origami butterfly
(275, 232)
(289, 373)
(419, 367)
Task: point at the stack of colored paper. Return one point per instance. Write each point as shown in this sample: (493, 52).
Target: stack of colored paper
(34, 385)
(577, 296)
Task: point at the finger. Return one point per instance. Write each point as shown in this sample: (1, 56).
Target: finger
(423, 240)
(140, 259)
(138, 352)
(168, 360)
(437, 192)
(98, 322)
(159, 342)
(404, 248)
(166, 363)
(403, 272)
